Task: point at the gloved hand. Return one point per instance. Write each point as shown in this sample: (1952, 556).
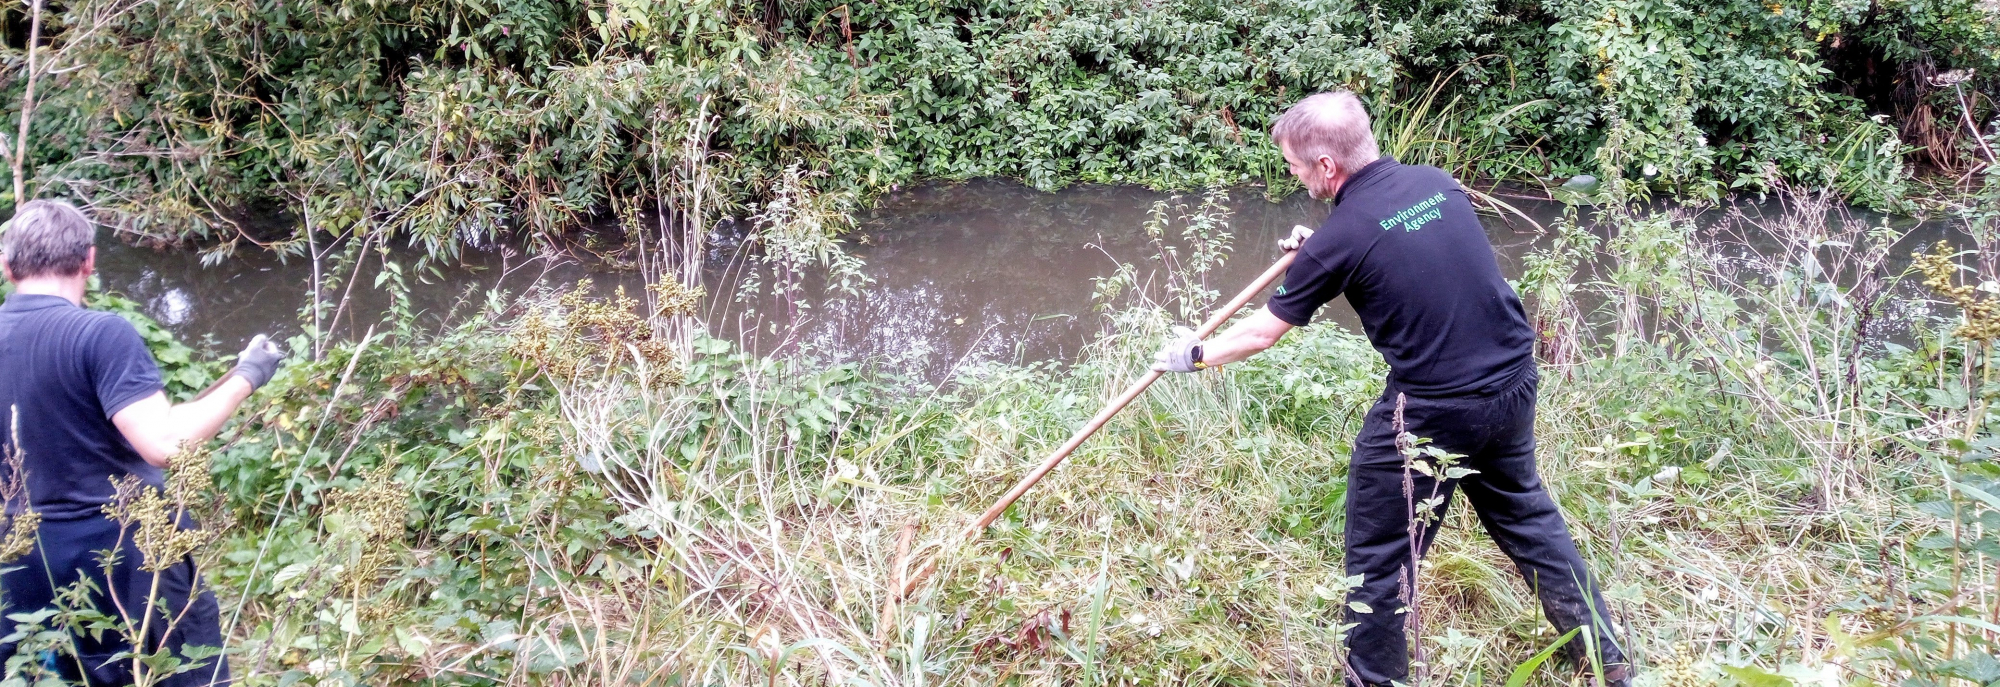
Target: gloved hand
(1182, 354)
(259, 361)
(1298, 238)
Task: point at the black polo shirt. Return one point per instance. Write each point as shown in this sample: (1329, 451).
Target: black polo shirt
(1405, 246)
(64, 371)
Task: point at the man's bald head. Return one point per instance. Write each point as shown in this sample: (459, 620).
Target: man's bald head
(1331, 125)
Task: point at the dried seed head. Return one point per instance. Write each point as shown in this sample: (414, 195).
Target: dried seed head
(154, 524)
(671, 298)
(577, 338)
(1952, 78)
(20, 536)
(1982, 314)
(1683, 667)
(374, 518)
(18, 520)
(188, 479)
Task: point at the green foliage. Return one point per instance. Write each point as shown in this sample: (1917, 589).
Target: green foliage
(1697, 97)
(444, 120)
(1769, 492)
(1319, 384)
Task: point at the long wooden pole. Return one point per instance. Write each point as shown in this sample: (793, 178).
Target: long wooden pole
(1111, 409)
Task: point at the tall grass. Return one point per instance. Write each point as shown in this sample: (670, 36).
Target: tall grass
(1739, 450)
(1442, 128)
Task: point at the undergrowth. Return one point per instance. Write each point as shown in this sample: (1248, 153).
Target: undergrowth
(1772, 437)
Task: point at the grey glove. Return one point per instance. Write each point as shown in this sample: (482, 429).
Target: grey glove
(1182, 354)
(259, 361)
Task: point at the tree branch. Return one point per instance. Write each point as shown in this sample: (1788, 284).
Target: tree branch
(27, 106)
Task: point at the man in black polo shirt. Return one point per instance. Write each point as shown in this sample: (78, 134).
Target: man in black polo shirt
(82, 405)
(1405, 247)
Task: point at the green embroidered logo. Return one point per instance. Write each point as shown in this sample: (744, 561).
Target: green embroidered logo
(1416, 216)
(1281, 289)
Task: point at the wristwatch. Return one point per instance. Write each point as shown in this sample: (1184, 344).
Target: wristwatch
(1196, 356)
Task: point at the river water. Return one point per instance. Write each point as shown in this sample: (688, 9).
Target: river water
(961, 273)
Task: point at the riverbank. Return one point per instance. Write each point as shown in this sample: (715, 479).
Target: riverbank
(523, 498)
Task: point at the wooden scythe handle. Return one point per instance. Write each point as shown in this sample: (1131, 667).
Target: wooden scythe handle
(1111, 409)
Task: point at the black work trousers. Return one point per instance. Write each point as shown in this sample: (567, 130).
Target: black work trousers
(1496, 433)
(185, 613)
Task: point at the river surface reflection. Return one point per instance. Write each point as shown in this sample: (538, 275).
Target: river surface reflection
(960, 273)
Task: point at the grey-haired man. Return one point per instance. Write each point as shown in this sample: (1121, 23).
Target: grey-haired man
(84, 406)
(1405, 247)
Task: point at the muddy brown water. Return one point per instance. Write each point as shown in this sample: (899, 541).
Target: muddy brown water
(961, 274)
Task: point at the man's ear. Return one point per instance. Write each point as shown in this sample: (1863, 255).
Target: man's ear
(89, 262)
(1328, 169)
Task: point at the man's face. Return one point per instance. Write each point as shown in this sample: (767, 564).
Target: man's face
(1317, 174)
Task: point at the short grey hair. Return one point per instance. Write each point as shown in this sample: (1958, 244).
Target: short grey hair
(47, 237)
(1332, 124)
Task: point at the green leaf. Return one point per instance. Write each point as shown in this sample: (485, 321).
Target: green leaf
(287, 574)
(1527, 669)
(1936, 542)
(1979, 667)
(1753, 676)
(1958, 620)
(1977, 493)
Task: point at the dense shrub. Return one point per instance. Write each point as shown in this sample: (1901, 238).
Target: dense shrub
(441, 116)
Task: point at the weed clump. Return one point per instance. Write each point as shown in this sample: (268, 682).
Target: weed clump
(1982, 314)
(367, 522)
(18, 522)
(671, 298)
(576, 337)
(159, 521)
